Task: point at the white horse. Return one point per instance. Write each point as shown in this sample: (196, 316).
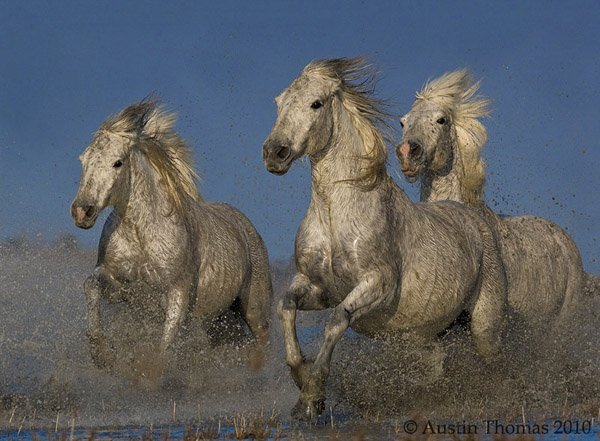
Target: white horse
(383, 263)
(441, 146)
(162, 237)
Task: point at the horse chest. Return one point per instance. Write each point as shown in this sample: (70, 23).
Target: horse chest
(343, 264)
(332, 265)
(132, 263)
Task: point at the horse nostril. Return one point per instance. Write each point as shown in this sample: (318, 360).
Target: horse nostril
(415, 147)
(282, 152)
(89, 210)
(274, 151)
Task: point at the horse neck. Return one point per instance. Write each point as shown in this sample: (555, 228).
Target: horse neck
(336, 177)
(438, 187)
(148, 203)
(341, 165)
(449, 185)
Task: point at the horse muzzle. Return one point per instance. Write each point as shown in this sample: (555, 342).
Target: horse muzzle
(84, 215)
(409, 155)
(277, 157)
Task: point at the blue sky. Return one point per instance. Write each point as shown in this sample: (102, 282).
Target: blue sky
(65, 66)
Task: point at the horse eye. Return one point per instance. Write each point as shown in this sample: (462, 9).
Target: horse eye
(441, 120)
(316, 105)
(118, 164)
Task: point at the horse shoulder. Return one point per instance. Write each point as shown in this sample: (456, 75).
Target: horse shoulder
(312, 243)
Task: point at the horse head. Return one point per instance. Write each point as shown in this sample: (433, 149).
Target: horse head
(441, 125)
(304, 123)
(106, 164)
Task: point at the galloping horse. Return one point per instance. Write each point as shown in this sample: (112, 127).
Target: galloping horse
(383, 263)
(162, 236)
(441, 146)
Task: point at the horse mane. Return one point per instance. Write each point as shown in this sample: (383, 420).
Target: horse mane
(456, 93)
(170, 156)
(356, 79)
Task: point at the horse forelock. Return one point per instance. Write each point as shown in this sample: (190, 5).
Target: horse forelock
(355, 79)
(151, 127)
(456, 93)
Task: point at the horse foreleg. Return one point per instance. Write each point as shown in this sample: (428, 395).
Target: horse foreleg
(102, 354)
(177, 302)
(302, 294)
(366, 296)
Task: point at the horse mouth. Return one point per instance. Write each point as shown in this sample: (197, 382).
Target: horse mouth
(85, 217)
(86, 225)
(410, 173)
(278, 156)
(277, 167)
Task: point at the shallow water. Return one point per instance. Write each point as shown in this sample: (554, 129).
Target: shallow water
(341, 431)
(46, 374)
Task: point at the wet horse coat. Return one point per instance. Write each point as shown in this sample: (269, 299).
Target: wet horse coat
(162, 237)
(383, 263)
(441, 146)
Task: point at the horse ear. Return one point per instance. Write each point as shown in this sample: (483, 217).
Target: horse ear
(157, 122)
(141, 120)
(135, 117)
(150, 127)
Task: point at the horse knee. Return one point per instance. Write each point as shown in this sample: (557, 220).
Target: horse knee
(285, 305)
(280, 309)
(337, 323)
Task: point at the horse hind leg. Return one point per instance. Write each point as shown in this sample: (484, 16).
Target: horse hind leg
(255, 307)
(432, 357)
(489, 314)
(576, 283)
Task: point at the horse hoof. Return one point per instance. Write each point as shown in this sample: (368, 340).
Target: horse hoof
(308, 410)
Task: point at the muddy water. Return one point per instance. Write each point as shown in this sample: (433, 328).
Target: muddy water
(46, 374)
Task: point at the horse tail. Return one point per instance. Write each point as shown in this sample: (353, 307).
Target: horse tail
(591, 285)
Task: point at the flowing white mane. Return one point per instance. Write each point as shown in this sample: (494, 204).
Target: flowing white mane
(356, 78)
(456, 93)
(167, 152)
